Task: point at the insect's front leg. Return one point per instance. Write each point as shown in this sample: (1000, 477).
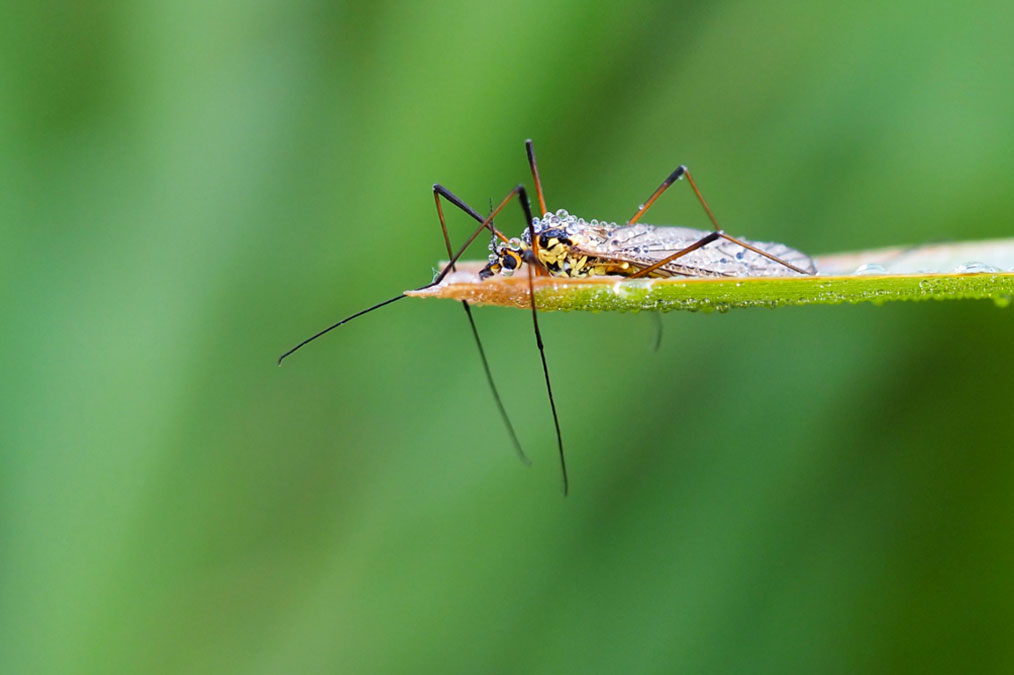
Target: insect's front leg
(532, 258)
(438, 192)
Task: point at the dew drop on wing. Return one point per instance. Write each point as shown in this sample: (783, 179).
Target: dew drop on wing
(975, 268)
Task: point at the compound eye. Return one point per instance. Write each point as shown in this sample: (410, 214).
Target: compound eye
(511, 260)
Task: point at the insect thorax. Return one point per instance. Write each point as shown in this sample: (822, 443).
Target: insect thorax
(561, 237)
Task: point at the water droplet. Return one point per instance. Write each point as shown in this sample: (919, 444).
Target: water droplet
(872, 268)
(975, 268)
(562, 213)
(1001, 300)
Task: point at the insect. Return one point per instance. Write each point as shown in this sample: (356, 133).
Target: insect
(561, 244)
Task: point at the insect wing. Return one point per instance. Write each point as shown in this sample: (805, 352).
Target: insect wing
(645, 245)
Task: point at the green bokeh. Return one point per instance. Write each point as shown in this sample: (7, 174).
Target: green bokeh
(189, 188)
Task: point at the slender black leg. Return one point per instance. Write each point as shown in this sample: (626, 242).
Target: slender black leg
(681, 172)
(657, 316)
(438, 191)
(530, 149)
(532, 258)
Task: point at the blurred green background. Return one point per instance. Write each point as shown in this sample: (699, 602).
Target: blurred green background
(190, 188)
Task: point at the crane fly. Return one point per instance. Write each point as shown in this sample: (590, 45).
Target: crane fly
(562, 245)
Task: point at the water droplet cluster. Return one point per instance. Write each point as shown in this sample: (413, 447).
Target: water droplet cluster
(975, 268)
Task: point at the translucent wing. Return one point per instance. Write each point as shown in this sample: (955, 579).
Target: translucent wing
(645, 245)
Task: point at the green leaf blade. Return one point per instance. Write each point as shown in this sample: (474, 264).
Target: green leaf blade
(832, 287)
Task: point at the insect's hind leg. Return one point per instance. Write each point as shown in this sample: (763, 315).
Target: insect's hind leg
(767, 255)
(438, 192)
(703, 241)
(681, 172)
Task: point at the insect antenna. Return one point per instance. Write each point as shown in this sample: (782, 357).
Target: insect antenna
(335, 325)
(441, 191)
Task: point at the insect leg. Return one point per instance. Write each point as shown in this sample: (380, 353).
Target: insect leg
(532, 260)
(676, 175)
(545, 372)
(703, 241)
(764, 253)
(487, 224)
(530, 148)
(438, 191)
(657, 316)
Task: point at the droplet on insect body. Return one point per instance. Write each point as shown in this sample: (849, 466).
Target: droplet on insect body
(872, 268)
